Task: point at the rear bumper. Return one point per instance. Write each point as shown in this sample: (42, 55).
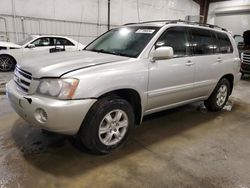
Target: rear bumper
(64, 116)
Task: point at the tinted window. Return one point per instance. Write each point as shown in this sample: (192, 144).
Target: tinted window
(175, 37)
(216, 42)
(63, 41)
(44, 41)
(225, 44)
(202, 42)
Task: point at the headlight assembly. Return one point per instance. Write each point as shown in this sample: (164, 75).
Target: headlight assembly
(60, 88)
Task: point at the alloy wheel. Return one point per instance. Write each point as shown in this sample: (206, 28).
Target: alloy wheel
(5, 63)
(222, 95)
(113, 127)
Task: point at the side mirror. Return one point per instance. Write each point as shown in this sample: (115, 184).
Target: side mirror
(164, 52)
(31, 46)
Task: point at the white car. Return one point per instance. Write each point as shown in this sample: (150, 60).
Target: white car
(11, 53)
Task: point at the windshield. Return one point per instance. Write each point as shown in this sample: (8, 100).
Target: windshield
(125, 41)
(23, 42)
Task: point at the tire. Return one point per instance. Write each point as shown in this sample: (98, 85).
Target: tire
(7, 63)
(213, 103)
(103, 116)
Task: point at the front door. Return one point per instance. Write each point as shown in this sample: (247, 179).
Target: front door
(42, 46)
(171, 80)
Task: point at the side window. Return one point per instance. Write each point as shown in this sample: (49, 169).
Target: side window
(63, 42)
(175, 37)
(225, 44)
(44, 41)
(202, 42)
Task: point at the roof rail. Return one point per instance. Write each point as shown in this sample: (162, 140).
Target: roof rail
(152, 21)
(181, 21)
(198, 23)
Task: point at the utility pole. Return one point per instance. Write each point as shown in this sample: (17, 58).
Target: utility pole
(108, 14)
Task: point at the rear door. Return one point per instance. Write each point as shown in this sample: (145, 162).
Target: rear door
(65, 43)
(228, 60)
(207, 59)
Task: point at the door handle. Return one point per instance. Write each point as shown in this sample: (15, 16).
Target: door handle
(219, 59)
(189, 63)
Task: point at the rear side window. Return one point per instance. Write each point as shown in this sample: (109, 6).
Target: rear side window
(224, 42)
(175, 37)
(63, 41)
(202, 42)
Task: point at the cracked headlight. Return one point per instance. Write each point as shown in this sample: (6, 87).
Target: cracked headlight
(59, 88)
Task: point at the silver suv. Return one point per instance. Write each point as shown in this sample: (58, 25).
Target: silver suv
(99, 94)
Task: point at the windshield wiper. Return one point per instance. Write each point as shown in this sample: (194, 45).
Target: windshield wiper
(108, 52)
(103, 51)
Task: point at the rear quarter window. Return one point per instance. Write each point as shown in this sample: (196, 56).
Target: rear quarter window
(63, 41)
(225, 45)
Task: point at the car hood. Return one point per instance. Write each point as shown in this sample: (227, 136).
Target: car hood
(55, 65)
(9, 45)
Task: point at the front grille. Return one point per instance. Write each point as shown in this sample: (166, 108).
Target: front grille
(246, 58)
(22, 79)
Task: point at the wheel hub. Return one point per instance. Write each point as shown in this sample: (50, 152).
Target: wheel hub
(113, 127)
(5, 63)
(222, 95)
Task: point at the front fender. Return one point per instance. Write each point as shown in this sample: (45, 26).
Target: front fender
(98, 80)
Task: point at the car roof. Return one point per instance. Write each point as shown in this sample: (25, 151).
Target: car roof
(38, 36)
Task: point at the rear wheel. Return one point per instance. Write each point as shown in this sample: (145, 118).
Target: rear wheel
(219, 97)
(7, 63)
(107, 125)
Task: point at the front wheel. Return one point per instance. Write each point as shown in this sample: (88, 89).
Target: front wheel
(7, 63)
(107, 125)
(219, 97)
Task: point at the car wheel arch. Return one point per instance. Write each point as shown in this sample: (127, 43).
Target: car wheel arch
(230, 78)
(130, 95)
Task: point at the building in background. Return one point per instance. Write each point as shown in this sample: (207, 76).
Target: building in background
(20, 18)
(233, 15)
